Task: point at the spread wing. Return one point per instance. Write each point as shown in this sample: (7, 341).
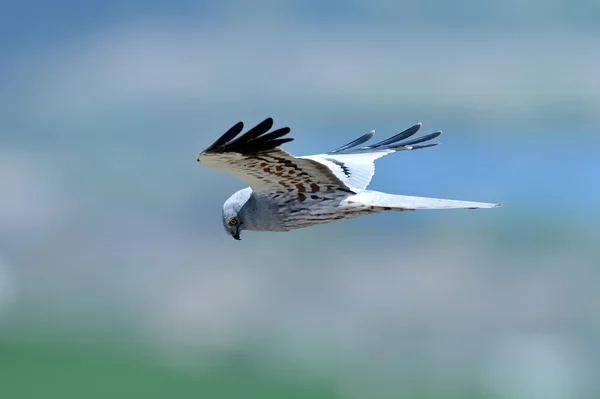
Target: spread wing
(256, 158)
(355, 165)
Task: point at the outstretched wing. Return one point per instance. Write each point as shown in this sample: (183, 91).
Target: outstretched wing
(355, 165)
(256, 158)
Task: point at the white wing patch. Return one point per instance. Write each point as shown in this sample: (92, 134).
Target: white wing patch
(355, 170)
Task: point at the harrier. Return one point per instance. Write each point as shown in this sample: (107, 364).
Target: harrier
(288, 192)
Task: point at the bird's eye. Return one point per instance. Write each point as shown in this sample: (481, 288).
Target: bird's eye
(233, 221)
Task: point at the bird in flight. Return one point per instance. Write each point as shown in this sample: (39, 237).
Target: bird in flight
(288, 192)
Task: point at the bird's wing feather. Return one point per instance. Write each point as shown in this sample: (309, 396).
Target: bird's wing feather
(405, 202)
(355, 166)
(354, 170)
(256, 158)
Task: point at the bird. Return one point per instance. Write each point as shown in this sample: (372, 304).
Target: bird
(288, 192)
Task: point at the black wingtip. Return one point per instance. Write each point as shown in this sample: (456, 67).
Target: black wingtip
(397, 142)
(227, 136)
(420, 147)
(411, 131)
(361, 140)
(257, 139)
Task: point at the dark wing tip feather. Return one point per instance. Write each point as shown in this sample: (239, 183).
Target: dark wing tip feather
(418, 147)
(423, 139)
(411, 131)
(397, 142)
(361, 140)
(257, 139)
(227, 136)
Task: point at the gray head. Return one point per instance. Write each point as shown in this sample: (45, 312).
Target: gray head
(233, 214)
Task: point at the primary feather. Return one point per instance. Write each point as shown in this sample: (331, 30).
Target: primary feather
(356, 166)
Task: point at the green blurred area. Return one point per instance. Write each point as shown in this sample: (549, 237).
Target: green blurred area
(63, 370)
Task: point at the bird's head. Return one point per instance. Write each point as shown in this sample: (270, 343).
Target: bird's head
(234, 215)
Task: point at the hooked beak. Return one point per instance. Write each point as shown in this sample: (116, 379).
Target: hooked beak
(237, 235)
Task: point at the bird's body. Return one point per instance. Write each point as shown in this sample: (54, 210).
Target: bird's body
(288, 192)
(282, 211)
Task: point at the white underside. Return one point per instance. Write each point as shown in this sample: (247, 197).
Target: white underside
(379, 199)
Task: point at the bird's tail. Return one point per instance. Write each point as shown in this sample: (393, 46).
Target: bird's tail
(379, 201)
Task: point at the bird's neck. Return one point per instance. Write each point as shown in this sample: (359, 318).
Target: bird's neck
(258, 215)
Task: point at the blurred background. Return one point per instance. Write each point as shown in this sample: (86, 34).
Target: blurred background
(117, 280)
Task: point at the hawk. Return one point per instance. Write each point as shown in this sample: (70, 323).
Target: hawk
(287, 192)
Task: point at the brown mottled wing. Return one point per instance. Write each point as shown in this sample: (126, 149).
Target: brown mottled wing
(256, 158)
